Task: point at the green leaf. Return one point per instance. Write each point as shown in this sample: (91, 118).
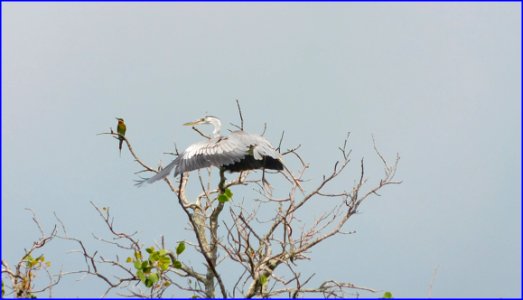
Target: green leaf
(140, 275)
(128, 260)
(145, 264)
(155, 256)
(263, 279)
(165, 259)
(153, 278)
(162, 252)
(228, 193)
(180, 248)
(137, 265)
(164, 263)
(177, 264)
(150, 250)
(387, 295)
(223, 198)
(148, 282)
(164, 267)
(138, 255)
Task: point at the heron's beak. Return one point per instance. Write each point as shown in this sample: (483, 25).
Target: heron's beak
(193, 123)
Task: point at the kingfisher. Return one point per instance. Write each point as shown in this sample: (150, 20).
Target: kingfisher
(121, 128)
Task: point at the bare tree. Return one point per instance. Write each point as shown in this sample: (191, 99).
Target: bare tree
(21, 278)
(267, 250)
(226, 232)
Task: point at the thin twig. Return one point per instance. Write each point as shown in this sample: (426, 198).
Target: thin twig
(240, 113)
(434, 273)
(201, 133)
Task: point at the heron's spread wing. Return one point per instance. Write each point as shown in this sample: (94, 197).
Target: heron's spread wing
(222, 151)
(218, 152)
(260, 146)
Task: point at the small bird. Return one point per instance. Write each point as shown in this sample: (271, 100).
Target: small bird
(121, 128)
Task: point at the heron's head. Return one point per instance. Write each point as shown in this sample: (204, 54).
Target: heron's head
(204, 120)
(208, 120)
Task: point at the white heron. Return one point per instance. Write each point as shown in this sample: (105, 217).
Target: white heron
(239, 151)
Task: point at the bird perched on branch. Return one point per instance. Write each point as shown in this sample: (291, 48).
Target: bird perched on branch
(120, 129)
(239, 151)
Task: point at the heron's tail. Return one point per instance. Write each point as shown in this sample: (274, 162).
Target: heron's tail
(160, 175)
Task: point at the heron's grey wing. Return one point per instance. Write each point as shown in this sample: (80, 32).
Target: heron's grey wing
(232, 150)
(260, 146)
(264, 148)
(161, 174)
(191, 158)
(217, 152)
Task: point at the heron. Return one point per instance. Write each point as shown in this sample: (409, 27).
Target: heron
(239, 151)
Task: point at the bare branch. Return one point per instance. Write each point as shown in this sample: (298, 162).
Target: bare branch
(240, 113)
(199, 229)
(281, 140)
(434, 273)
(264, 129)
(201, 133)
(21, 278)
(126, 140)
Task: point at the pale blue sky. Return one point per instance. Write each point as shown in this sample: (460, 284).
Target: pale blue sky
(438, 83)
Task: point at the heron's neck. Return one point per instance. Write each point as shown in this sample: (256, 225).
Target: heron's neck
(217, 126)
